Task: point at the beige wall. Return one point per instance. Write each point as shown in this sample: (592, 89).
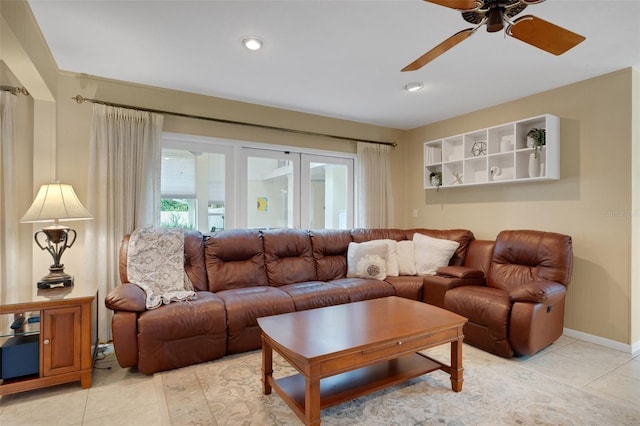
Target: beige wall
(592, 202)
(635, 217)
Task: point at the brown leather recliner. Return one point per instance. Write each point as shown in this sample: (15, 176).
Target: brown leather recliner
(519, 308)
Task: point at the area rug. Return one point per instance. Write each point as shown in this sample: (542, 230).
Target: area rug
(495, 392)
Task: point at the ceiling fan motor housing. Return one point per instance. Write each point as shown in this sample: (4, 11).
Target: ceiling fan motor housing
(495, 12)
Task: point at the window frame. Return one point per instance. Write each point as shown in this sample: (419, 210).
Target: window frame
(235, 172)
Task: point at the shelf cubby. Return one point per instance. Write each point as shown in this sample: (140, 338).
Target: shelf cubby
(505, 156)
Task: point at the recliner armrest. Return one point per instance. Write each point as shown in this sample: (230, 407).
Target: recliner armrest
(459, 272)
(126, 297)
(434, 287)
(547, 292)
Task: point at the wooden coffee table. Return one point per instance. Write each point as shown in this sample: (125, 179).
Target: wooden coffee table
(343, 352)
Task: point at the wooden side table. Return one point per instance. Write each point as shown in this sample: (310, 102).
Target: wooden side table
(66, 334)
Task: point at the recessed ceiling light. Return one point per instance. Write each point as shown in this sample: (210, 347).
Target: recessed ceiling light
(413, 87)
(252, 42)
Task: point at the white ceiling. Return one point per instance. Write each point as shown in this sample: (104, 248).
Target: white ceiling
(337, 58)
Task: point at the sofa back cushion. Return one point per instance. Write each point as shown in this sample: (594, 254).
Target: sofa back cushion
(479, 254)
(288, 256)
(330, 253)
(194, 263)
(235, 259)
(524, 255)
(462, 236)
(361, 235)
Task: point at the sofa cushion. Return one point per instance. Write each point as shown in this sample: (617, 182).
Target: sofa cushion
(360, 235)
(364, 289)
(288, 256)
(525, 255)
(367, 260)
(407, 286)
(244, 306)
(235, 259)
(182, 333)
(432, 253)
(488, 311)
(315, 294)
(330, 253)
(194, 263)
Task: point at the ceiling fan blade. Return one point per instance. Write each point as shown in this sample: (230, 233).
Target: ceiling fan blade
(457, 4)
(439, 49)
(544, 35)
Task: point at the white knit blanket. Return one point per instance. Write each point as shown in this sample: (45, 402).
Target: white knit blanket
(155, 262)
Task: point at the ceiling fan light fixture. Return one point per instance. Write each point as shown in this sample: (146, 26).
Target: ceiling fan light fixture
(252, 42)
(494, 20)
(413, 87)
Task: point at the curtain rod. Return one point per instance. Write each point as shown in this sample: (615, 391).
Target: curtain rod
(14, 90)
(81, 99)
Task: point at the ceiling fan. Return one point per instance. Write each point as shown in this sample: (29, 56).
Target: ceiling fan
(495, 14)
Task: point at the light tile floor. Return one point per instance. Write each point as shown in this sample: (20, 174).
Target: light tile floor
(122, 397)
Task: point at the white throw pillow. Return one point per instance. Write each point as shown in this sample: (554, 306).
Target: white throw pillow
(432, 253)
(406, 257)
(392, 258)
(367, 260)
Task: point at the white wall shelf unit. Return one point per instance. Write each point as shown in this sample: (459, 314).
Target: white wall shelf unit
(498, 154)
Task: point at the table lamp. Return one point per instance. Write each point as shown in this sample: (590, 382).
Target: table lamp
(55, 202)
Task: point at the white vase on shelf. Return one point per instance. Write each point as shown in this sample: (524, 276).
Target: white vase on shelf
(505, 144)
(534, 165)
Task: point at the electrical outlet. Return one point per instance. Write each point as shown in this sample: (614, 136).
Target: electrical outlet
(414, 213)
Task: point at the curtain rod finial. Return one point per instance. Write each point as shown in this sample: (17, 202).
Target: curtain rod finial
(79, 99)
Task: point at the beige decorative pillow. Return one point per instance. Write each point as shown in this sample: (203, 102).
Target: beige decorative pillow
(432, 253)
(367, 260)
(406, 257)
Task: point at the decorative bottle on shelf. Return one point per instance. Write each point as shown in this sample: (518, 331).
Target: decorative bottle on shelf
(534, 165)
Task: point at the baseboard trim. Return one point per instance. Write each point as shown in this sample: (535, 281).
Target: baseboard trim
(613, 344)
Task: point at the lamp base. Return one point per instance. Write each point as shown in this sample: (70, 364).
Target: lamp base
(55, 279)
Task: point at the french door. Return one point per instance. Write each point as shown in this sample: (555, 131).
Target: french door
(287, 189)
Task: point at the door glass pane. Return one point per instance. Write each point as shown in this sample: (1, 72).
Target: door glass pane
(193, 190)
(178, 189)
(328, 196)
(215, 191)
(270, 193)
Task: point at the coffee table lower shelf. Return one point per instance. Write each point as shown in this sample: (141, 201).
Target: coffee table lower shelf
(355, 383)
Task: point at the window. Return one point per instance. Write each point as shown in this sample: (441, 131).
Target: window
(194, 184)
(330, 195)
(212, 184)
(178, 203)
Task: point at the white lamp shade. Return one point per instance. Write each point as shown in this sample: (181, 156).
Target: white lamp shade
(55, 202)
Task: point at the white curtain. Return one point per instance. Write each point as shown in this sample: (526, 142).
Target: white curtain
(375, 198)
(10, 219)
(124, 190)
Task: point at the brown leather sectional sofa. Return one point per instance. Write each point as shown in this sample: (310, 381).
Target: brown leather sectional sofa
(241, 275)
